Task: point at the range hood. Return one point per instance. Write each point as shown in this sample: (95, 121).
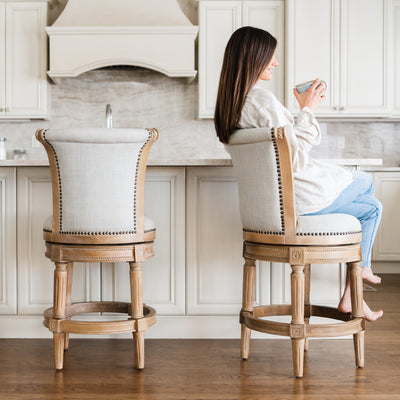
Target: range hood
(91, 34)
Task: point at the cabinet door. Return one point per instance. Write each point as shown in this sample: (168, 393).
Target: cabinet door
(163, 274)
(26, 59)
(218, 20)
(214, 245)
(387, 189)
(270, 16)
(327, 283)
(364, 56)
(8, 248)
(35, 271)
(2, 58)
(397, 58)
(313, 49)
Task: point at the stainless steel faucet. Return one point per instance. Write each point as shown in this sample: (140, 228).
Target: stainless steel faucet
(109, 120)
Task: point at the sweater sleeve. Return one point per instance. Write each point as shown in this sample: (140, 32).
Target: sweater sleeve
(262, 109)
(307, 134)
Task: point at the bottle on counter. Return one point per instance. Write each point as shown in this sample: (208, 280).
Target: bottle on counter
(3, 150)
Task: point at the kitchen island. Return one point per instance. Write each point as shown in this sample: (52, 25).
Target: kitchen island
(195, 279)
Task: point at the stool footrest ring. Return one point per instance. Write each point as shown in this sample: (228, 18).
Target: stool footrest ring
(66, 324)
(253, 320)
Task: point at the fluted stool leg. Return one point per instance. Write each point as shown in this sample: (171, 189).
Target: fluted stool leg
(307, 272)
(68, 300)
(59, 302)
(297, 324)
(136, 280)
(249, 280)
(356, 288)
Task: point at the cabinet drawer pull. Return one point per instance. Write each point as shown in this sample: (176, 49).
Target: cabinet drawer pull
(336, 108)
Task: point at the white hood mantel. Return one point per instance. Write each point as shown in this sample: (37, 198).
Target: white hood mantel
(91, 34)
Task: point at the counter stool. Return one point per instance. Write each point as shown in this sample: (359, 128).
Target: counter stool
(98, 202)
(272, 232)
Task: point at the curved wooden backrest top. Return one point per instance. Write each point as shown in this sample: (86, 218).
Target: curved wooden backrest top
(97, 184)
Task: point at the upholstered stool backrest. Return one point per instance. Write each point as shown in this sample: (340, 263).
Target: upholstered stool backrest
(257, 156)
(98, 181)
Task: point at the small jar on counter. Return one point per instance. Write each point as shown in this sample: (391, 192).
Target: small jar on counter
(19, 154)
(3, 150)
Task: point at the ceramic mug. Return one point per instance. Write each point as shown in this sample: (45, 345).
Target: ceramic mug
(303, 87)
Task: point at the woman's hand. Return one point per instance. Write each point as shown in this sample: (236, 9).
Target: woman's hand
(312, 97)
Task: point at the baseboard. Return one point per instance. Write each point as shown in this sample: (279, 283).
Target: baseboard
(382, 267)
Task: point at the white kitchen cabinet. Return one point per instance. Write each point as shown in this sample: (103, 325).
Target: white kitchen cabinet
(23, 60)
(214, 245)
(218, 20)
(214, 253)
(396, 13)
(35, 271)
(163, 274)
(387, 190)
(8, 255)
(349, 49)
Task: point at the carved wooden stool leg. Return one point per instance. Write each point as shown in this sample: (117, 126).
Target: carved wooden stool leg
(249, 279)
(356, 288)
(68, 301)
(297, 324)
(136, 280)
(307, 272)
(59, 302)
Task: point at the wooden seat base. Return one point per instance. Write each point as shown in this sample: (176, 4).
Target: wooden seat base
(67, 325)
(299, 330)
(253, 321)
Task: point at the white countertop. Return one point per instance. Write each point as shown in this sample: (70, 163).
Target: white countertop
(371, 163)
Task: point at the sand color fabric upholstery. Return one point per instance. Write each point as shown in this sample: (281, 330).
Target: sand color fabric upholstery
(262, 198)
(96, 174)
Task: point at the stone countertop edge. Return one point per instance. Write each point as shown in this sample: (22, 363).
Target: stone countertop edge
(371, 164)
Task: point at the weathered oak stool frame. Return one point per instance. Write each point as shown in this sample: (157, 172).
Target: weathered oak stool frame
(73, 235)
(299, 241)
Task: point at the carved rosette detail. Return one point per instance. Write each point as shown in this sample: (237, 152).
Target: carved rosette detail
(297, 256)
(297, 331)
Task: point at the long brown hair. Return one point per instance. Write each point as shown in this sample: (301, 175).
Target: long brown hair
(247, 54)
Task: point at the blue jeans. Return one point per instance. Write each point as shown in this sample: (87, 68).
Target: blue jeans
(358, 199)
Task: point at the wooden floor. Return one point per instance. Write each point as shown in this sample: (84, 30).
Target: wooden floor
(211, 369)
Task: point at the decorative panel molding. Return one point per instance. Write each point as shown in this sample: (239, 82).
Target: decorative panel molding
(163, 274)
(217, 20)
(26, 59)
(397, 58)
(2, 58)
(35, 271)
(387, 189)
(8, 260)
(270, 16)
(214, 245)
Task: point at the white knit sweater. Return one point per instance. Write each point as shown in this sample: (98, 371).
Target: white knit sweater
(317, 183)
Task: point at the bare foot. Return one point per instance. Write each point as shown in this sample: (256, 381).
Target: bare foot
(345, 307)
(369, 276)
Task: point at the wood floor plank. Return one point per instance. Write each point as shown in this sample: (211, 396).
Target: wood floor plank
(211, 369)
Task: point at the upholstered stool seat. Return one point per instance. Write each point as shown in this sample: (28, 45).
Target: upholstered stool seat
(149, 228)
(272, 231)
(314, 229)
(98, 216)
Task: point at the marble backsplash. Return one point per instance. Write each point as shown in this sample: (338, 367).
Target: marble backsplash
(144, 98)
